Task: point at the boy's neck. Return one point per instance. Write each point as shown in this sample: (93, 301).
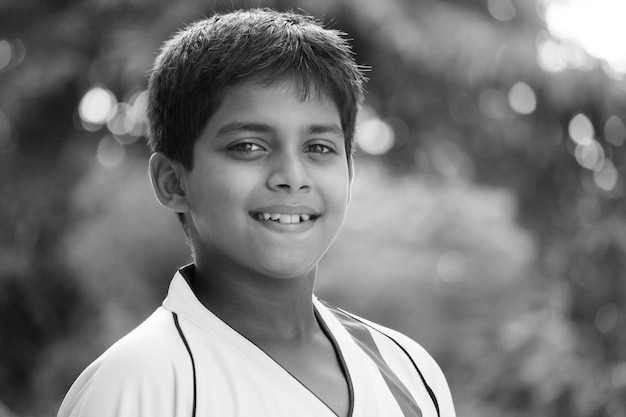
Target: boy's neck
(258, 307)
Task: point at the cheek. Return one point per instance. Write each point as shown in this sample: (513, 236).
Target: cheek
(209, 196)
(337, 190)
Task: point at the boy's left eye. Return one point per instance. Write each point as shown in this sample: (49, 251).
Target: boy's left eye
(319, 148)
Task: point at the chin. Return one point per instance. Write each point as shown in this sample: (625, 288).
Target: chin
(287, 263)
(289, 271)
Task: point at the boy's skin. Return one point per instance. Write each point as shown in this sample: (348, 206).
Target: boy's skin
(266, 151)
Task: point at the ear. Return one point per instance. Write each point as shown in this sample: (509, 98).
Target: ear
(167, 179)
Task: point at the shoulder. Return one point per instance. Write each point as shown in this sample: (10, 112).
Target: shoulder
(137, 376)
(428, 369)
(422, 360)
(405, 356)
(149, 350)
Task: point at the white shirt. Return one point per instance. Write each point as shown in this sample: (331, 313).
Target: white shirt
(185, 361)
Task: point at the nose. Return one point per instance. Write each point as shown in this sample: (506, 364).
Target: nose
(288, 172)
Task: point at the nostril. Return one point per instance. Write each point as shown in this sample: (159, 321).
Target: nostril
(289, 176)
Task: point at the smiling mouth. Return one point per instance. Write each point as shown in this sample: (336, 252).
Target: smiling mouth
(285, 218)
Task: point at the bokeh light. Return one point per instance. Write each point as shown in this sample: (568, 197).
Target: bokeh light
(96, 106)
(597, 26)
(125, 120)
(615, 131)
(550, 55)
(576, 57)
(556, 55)
(110, 152)
(5, 54)
(522, 98)
(12, 53)
(502, 10)
(375, 136)
(137, 116)
(590, 155)
(118, 123)
(580, 129)
(607, 176)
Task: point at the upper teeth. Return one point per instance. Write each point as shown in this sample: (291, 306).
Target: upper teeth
(284, 218)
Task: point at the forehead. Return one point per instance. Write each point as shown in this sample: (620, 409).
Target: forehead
(297, 85)
(261, 98)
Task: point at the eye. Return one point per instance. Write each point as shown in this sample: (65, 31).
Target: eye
(246, 150)
(246, 147)
(319, 149)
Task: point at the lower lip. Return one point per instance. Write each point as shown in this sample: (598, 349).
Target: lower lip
(286, 227)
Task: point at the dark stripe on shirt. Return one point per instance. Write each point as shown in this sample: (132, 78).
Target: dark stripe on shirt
(366, 342)
(428, 388)
(193, 363)
(431, 393)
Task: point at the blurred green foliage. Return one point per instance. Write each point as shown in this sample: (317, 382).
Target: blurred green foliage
(481, 234)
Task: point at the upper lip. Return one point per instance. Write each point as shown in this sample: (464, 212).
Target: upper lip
(286, 209)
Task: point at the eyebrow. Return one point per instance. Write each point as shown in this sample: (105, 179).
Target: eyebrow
(329, 128)
(233, 127)
(243, 126)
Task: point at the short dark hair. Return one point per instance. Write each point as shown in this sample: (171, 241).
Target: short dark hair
(198, 63)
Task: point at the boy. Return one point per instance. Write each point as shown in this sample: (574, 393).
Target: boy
(252, 116)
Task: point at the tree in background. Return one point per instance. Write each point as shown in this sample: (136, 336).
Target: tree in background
(488, 213)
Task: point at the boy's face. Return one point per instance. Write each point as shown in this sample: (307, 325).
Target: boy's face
(269, 186)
